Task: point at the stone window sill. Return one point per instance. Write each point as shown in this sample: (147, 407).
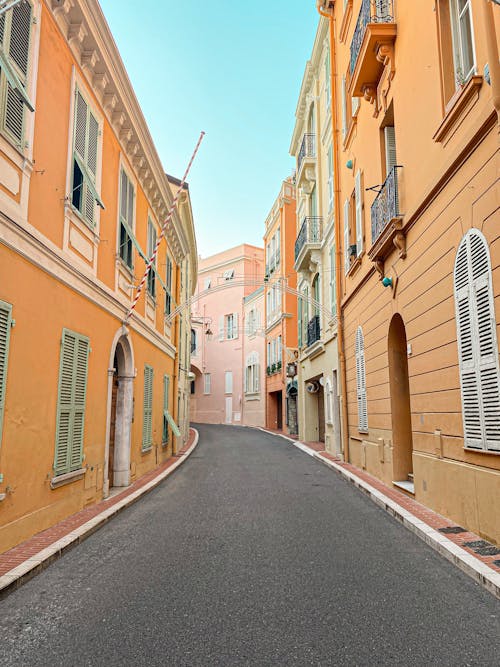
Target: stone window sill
(458, 107)
(147, 450)
(62, 480)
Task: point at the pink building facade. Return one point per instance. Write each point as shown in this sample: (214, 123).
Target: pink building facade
(254, 347)
(217, 336)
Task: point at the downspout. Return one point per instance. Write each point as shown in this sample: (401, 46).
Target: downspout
(492, 51)
(336, 202)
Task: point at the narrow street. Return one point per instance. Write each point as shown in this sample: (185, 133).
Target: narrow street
(250, 554)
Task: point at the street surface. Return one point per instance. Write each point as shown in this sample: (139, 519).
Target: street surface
(252, 553)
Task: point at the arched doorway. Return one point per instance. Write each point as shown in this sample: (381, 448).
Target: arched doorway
(402, 462)
(120, 408)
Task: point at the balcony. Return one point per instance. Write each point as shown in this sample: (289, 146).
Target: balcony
(387, 221)
(313, 331)
(308, 240)
(306, 159)
(371, 45)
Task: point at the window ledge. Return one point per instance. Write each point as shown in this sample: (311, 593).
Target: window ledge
(407, 486)
(355, 265)
(350, 133)
(458, 107)
(147, 450)
(482, 451)
(62, 480)
(346, 20)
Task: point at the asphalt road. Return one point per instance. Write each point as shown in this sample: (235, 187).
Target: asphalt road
(252, 553)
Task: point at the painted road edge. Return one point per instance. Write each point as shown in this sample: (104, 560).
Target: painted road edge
(478, 571)
(13, 578)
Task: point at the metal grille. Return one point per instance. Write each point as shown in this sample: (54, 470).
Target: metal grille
(311, 231)
(386, 205)
(307, 149)
(372, 11)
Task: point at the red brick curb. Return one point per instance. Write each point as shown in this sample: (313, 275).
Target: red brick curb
(28, 558)
(426, 524)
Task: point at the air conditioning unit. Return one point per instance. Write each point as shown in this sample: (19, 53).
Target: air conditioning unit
(312, 387)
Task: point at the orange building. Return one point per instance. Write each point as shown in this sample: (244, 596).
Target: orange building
(281, 311)
(416, 112)
(88, 400)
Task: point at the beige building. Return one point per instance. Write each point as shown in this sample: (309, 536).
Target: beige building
(318, 368)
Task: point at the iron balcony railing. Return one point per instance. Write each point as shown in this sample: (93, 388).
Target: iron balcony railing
(307, 149)
(372, 11)
(386, 205)
(313, 330)
(310, 232)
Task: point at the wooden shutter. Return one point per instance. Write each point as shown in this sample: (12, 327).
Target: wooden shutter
(361, 381)
(346, 236)
(71, 402)
(359, 213)
(344, 108)
(147, 421)
(235, 325)
(477, 344)
(390, 148)
(5, 328)
(166, 392)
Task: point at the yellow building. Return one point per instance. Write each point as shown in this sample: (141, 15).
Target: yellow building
(88, 400)
(416, 112)
(319, 382)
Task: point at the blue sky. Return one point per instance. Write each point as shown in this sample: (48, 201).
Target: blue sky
(234, 70)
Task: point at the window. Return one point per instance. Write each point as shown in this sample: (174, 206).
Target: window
(231, 326)
(361, 382)
(477, 344)
(72, 391)
(316, 290)
(15, 42)
(5, 327)
(358, 199)
(228, 275)
(151, 247)
(168, 287)
(166, 394)
(194, 342)
(328, 401)
(228, 382)
(328, 91)
(147, 417)
(330, 178)
(86, 132)
(300, 307)
(347, 235)
(207, 283)
(207, 383)
(279, 351)
(462, 36)
(252, 374)
(333, 287)
(127, 196)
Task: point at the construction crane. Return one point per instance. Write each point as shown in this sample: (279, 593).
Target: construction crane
(5, 5)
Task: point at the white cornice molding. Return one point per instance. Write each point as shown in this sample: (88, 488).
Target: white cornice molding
(84, 26)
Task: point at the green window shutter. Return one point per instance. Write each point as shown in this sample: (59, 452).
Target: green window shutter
(166, 392)
(126, 220)
(5, 327)
(147, 422)
(71, 402)
(20, 32)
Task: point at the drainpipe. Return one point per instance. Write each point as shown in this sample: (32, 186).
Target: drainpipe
(492, 51)
(320, 5)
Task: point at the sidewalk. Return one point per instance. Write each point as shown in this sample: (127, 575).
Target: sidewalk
(473, 555)
(28, 558)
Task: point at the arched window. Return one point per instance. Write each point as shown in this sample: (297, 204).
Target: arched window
(477, 343)
(361, 381)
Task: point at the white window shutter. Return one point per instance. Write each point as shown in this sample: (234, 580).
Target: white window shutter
(477, 344)
(235, 325)
(390, 148)
(361, 382)
(355, 104)
(346, 235)
(344, 108)
(359, 214)
(221, 327)
(257, 377)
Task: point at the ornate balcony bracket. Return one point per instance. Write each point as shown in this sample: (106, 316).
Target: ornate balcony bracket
(393, 236)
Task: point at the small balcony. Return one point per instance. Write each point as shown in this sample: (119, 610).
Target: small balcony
(308, 240)
(387, 220)
(306, 159)
(373, 38)
(313, 331)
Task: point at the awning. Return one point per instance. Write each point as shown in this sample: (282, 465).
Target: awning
(173, 425)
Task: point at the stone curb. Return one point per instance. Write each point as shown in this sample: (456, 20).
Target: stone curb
(481, 573)
(32, 566)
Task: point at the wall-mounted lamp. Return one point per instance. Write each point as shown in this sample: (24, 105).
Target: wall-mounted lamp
(349, 164)
(386, 281)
